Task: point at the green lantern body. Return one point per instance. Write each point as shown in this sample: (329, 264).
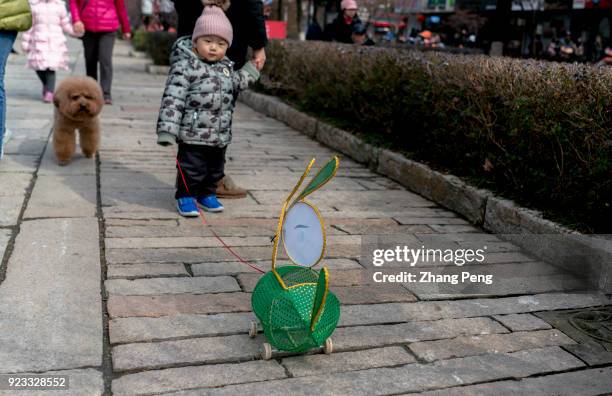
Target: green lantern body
(293, 303)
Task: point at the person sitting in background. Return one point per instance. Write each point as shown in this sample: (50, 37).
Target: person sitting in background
(341, 29)
(360, 36)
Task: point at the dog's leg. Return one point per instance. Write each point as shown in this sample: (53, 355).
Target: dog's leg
(64, 140)
(89, 137)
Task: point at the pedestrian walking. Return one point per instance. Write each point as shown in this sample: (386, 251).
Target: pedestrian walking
(342, 28)
(45, 42)
(197, 107)
(249, 29)
(15, 16)
(99, 20)
(360, 35)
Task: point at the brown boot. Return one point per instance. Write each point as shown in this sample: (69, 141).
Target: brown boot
(226, 188)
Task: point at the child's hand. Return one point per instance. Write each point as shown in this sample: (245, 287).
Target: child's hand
(259, 58)
(79, 28)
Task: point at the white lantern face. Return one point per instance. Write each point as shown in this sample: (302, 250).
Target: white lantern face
(303, 235)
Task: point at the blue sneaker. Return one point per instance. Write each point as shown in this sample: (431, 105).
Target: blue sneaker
(210, 204)
(187, 207)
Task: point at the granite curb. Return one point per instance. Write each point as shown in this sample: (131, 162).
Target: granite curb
(481, 207)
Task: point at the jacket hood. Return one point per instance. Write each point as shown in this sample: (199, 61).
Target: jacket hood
(183, 50)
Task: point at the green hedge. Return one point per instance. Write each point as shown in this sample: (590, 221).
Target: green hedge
(139, 40)
(536, 132)
(157, 44)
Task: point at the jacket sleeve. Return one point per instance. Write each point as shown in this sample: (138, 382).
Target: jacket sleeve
(25, 40)
(74, 11)
(65, 22)
(256, 24)
(173, 103)
(246, 75)
(123, 18)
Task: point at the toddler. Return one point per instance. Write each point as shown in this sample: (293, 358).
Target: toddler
(197, 107)
(45, 42)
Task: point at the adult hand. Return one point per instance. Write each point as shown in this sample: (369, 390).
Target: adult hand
(259, 58)
(79, 28)
(127, 35)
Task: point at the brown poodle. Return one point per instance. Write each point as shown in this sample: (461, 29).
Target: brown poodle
(78, 101)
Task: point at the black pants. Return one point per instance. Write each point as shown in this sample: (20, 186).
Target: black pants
(47, 77)
(202, 167)
(99, 49)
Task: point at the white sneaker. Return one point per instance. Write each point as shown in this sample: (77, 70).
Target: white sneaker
(5, 139)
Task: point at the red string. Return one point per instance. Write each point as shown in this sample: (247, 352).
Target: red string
(201, 212)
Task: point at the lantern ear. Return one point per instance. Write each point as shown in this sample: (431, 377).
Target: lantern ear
(325, 174)
(320, 297)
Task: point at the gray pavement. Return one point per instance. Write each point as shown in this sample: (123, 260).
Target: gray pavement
(101, 280)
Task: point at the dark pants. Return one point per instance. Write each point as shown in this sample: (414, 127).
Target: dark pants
(202, 167)
(99, 49)
(47, 77)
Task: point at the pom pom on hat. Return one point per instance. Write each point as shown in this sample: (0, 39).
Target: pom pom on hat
(346, 5)
(213, 21)
(224, 4)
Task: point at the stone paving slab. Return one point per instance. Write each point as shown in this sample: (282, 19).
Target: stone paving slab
(52, 193)
(349, 295)
(491, 343)
(18, 163)
(80, 382)
(198, 255)
(10, 207)
(79, 164)
(192, 351)
(521, 284)
(300, 366)
(157, 381)
(585, 382)
(199, 285)
(19, 183)
(174, 304)
(125, 330)
(176, 231)
(522, 322)
(412, 377)
(131, 271)
(201, 242)
(434, 310)
(51, 317)
(361, 337)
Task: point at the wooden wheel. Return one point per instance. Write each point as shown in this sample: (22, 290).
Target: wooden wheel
(266, 351)
(329, 347)
(253, 330)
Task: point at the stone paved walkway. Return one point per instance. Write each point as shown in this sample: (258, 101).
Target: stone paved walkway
(104, 282)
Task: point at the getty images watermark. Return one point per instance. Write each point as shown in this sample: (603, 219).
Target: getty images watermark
(422, 255)
(479, 264)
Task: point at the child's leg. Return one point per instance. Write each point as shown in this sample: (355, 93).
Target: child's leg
(42, 76)
(50, 80)
(191, 172)
(215, 166)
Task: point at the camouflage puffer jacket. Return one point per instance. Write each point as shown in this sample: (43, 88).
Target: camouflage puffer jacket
(197, 104)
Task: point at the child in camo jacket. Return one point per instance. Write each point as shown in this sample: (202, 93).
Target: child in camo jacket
(197, 107)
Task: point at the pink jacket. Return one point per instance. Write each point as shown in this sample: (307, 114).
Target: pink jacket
(45, 42)
(100, 15)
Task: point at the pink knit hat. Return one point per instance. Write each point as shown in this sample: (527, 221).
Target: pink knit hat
(348, 5)
(214, 22)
